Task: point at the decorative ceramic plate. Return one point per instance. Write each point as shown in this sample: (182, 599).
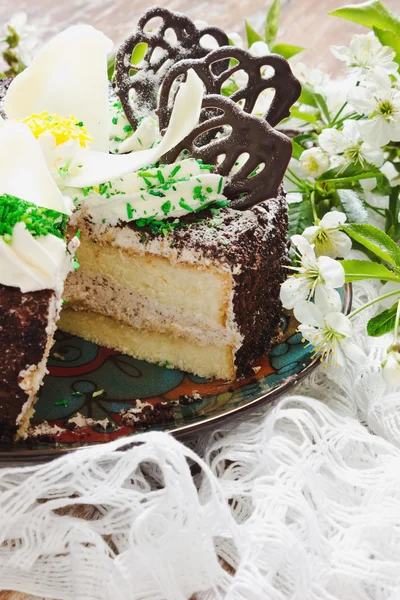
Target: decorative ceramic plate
(93, 395)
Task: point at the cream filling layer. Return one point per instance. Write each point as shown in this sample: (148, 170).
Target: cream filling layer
(98, 293)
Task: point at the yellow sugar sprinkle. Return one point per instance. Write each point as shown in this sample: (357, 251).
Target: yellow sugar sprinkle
(62, 128)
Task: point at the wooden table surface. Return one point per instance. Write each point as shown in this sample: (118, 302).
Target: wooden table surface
(303, 23)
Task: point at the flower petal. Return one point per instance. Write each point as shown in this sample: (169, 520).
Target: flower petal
(308, 314)
(332, 220)
(332, 271)
(389, 286)
(326, 298)
(293, 290)
(68, 76)
(338, 322)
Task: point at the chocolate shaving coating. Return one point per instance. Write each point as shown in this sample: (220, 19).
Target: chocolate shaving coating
(211, 71)
(248, 134)
(148, 78)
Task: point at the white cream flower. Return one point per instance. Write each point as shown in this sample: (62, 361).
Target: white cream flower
(382, 108)
(315, 278)
(367, 59)
(387, 288)
(329, 334)
(68, 77)
(327, 238)
(347, 147)
(314, 162)
(391, 366)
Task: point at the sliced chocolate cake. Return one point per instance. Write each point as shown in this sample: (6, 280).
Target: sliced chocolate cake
(181, 214)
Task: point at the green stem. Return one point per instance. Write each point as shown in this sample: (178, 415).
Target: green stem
(396, 328)
(368, 304)
(312, 199)
(338, 114)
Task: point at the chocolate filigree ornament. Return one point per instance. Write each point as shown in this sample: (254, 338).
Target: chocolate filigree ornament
(222, 63)
(161, 53)
(268, 150)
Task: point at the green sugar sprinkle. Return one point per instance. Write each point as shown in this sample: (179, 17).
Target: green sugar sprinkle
(128, 128)
(160, 177)
(155, 193)
(209, 189)
(86, 190)
(185, 206)
(166, 207)
(61, 402)
(129, 211)
(221, 181)
(38, 220)
(175, 170)
(117, 139)
(98, 393)
(114, 120)
(79, 124)
(140, 141)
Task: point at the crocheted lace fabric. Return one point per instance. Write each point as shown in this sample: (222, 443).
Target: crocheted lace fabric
(300, 500)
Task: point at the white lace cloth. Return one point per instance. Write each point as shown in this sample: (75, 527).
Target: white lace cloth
(300, 501)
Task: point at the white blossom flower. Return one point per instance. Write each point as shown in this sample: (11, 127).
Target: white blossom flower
(391, 366)
(315, 278)
(367, 59)
(382, 107)
(27, 36)
(329, 335)
(347, 147)
(309, 76)
(259, 48)
(314, 162)
(389, 286)
(328, 240)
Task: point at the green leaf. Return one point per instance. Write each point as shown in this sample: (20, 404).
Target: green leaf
(138, 53)
(297, 150)
(370, 14)
(304, 116)
(307, 96)
(300, 216)
(323, 107)
(383, 323)
(351, 172)
(272, 22)
(376, 241)
(287, 50)
(110, 66)
(360, 270)
(388, 38)
(353, 206)
(252, 35)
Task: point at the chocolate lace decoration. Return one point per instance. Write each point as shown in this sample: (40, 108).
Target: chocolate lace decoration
(211, 71)
(268, 149)
(147, 80)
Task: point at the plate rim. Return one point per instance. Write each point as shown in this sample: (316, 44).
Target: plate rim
(183, 431)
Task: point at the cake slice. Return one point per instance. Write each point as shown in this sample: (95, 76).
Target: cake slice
(34, 262)
(203, 298)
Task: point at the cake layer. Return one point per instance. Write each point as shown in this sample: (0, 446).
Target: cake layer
(211, 361)
(27, 324)
(199, 289)
(98, 293)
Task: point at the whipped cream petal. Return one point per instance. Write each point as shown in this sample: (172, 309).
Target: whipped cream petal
(98, 167)
(23, 169)
(33, 263)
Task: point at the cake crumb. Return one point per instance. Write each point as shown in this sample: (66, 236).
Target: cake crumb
(81, 421)
(187, 399)
(58, 356)
(256, 369)
(144, 414)
(45, 429)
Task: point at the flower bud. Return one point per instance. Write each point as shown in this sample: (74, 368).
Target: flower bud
(391, 366)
